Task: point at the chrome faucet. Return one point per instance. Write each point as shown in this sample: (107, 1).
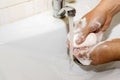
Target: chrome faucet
(60, 9)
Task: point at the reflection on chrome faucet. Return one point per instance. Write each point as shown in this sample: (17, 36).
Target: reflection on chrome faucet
(60, 9)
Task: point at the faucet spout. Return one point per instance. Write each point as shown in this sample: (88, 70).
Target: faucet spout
(70, 11)
(60, 9)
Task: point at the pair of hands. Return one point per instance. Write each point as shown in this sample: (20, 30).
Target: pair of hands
(97, 20)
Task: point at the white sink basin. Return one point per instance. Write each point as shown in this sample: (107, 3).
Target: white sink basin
(29, 47)
(35, 49)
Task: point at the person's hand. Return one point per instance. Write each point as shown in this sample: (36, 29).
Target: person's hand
(97, 20)
(105, 52)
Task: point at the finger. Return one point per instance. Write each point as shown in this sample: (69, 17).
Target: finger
(99, 36)
(83, 34)
(68, 44)
(95, 53)
(93, 26)
(107, 23)
(76, 53)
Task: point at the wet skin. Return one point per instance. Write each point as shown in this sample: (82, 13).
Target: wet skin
(106, 52)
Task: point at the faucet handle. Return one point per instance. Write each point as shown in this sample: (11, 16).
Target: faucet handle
(61, 13)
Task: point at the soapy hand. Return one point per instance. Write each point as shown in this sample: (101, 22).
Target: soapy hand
(99, 18)
(100, 53)
(96, 20)
(103, 52)
(82, 51)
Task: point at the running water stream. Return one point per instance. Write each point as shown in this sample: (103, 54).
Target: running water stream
(71, 31)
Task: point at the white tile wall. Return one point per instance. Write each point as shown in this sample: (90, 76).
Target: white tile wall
(7, 3)
(12, 10)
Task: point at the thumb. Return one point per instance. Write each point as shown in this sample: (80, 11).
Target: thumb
(92, 27)
(107, 23)
(82, 35)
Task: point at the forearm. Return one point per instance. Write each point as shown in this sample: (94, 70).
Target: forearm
(109, 6)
